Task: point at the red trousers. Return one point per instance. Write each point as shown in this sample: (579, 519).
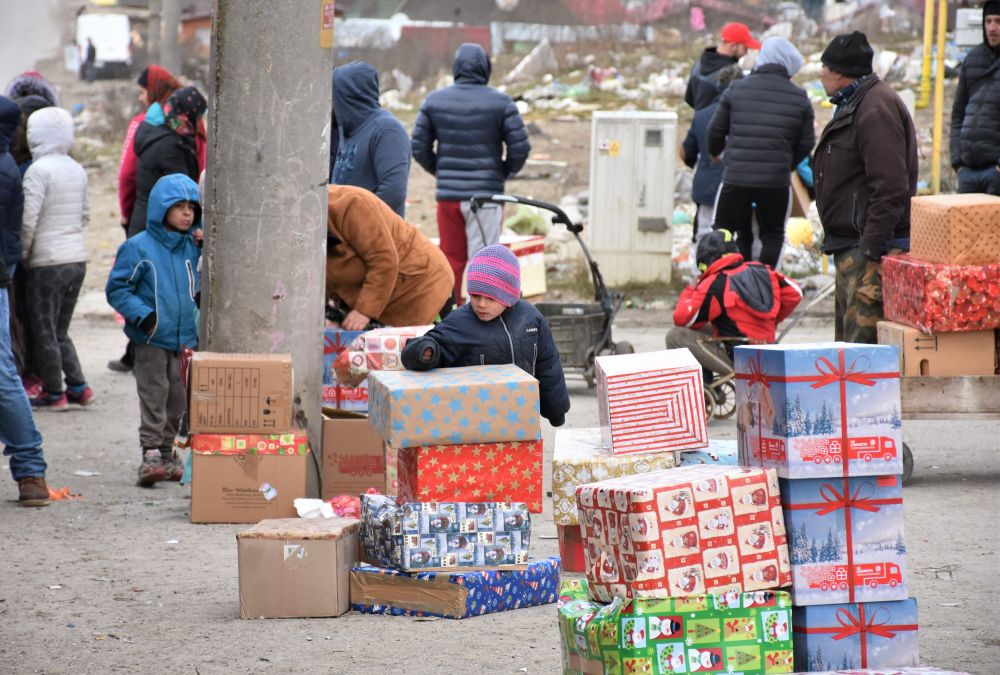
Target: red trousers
(454, 243)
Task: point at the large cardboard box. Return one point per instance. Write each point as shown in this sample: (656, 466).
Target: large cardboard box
(354, 397)
(296, 567)
(240, 393)
(962, 229)
(245, 478)
(746, 633)
(867, 634)
(651, 402)
(827, 409)
(684, 531)
(354, 458)
(940, 354)
(479, 404)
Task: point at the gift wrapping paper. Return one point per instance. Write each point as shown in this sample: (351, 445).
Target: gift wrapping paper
(724, 452)
(651, 402)
(962, 229)
(290, 444)
(378, 349)
(684, 531)
(863, 635)
(478, 404)
(506, 472)
(444, 535)
(845, 539)
(336, 394)
(459, 594)
(917, 670)
(938, 298)
(819, 410)
(578, 457)
(746, 633)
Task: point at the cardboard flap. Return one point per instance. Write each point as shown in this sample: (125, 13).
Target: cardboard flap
(301, 528)
(436, 595)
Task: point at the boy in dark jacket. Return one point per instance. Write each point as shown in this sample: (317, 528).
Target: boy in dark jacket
(496, 327)
(154, 286)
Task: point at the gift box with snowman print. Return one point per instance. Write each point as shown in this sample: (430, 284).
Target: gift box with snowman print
(684, 531)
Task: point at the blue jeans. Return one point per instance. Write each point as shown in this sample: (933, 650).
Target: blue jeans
(18, 433)
(979, 180)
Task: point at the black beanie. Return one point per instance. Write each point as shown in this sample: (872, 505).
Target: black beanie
(849, 54)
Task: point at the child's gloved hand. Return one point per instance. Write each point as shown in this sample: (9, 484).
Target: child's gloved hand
(427, 355)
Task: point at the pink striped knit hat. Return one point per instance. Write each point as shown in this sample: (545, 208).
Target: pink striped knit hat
(495, 273)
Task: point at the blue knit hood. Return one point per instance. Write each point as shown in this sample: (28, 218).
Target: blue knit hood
(169, 190)
(355, 95)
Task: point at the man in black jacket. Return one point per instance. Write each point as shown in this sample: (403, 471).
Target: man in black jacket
(975, 116)
(736, 40)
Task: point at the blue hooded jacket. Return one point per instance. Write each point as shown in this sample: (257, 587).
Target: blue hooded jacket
(11, 193)
(157, 271)
(373, 151)
(471, 123)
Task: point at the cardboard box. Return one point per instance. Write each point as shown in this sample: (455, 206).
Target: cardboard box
(296, 567)
(335, 394)
(827, 409)
(651, 402)
(530, 252)
(845, 539)
(940, 298)
(868, 634)
(353, 455)
(571, 548)
(724, 452)
(578, 458)
(746, 633)
(480, 404)
(505, 472)
(962, 229)
(800, 197)
(453, 595)
(443, 536)
(684, 531)
(940, 354)
(245, 478)
(240, 393)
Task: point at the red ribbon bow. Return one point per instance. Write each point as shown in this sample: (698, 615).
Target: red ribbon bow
(836, 500)
(829, 373)
(757, 375)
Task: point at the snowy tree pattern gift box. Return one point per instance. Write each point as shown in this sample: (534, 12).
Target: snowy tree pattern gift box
(337, 394)
(445, 535)
(747, 633)
(725, 452)
(819, 410)
(845, 539)
(449, 406)
(856, 635)
(684, 531)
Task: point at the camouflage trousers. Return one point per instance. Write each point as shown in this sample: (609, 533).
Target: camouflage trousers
(858, 297)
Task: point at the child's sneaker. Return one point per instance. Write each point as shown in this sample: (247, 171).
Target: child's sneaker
(48, 401)
(151, 470)
(81, 395)
(32, 385)
(172, 465)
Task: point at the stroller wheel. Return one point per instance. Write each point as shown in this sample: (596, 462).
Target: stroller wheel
(710, 403)
(725, 399)
(623, 347)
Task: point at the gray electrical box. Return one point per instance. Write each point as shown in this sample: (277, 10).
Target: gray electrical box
(968, 27)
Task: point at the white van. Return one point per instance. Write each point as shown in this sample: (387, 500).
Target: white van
(112, 36)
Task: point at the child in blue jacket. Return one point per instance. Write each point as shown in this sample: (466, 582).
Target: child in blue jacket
(154, 286)
(496, 327)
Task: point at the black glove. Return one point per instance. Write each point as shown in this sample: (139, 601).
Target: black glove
(149, 323)
(557, 420)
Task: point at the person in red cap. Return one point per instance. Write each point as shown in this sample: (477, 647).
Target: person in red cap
(736, 40)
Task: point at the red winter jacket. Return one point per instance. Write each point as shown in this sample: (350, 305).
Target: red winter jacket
(740, 299)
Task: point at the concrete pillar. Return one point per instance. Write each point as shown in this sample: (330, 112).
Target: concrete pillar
(170, 51)
(153, 32)
(263, 271)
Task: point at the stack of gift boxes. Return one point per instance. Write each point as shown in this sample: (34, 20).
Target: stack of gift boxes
(942, 299)
(826, 418)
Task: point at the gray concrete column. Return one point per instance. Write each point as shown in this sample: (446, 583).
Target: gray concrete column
(170, 51)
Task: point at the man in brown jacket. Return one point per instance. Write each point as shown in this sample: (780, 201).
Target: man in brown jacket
(865, 169)
(380, 267)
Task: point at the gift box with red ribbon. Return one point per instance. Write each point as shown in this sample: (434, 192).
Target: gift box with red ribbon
(862, 635)
(819, 410)
(845, 539)
(684, 531)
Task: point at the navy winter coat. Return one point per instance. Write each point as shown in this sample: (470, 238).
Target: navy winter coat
(707, 173)
(701, 87)
(975, 115)
(11, 194)
(471, 123)
(463, 340)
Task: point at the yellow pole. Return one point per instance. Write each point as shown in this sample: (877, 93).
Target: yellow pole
(942, 26)
(925, 74)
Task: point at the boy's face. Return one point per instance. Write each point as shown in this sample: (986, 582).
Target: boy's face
(486, 309)
(180, 216)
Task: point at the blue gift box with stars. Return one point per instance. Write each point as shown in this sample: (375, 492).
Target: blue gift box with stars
(449, 406)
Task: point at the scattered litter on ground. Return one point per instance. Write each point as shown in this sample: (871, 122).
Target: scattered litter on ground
(171, 541)
(85, 473)
(62, 493)
(54, 587)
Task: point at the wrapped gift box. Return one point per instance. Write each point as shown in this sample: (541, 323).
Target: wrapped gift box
(578, 458)
(938, 298)
(819, 410)
(480, 404)
(453, 595)
(336, 394)
(571, 548)
(845, 539)
(378, 349)
(746, 633)
(651, 402)
(962, 229)
(915, 670)
(684, 531)
(724, 452)
(864, 635)
(445, 535)
(507, 472)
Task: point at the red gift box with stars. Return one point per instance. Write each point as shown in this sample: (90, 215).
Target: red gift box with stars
(472, 472)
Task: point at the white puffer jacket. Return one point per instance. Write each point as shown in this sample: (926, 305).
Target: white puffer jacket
(55, 194)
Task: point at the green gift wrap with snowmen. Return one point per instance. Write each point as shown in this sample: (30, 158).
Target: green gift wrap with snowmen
(748, 633)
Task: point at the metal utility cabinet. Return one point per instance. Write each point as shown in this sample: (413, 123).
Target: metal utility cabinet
(632, 157)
